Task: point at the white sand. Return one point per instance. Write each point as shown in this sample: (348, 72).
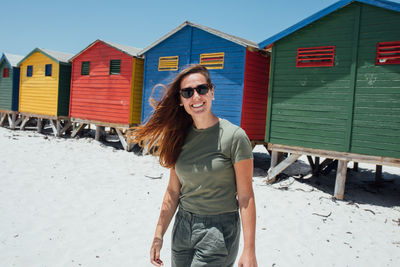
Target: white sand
(77, 202)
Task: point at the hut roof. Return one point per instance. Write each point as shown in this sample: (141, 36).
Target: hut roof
(326, 11)
(130, 50)
(238, 40)
(59, 57)
(11, 59)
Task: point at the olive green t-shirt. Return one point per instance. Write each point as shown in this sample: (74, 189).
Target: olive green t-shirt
(205, 168)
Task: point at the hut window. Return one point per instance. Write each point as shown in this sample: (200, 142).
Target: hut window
(168, 63)
(388, 53)
(85, 67)
(115, 66)
(6, 72)
(321, 56)
(212, 60)
(29, 71)
(47, 70)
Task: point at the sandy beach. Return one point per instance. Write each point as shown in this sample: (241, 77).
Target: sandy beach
(79, 202)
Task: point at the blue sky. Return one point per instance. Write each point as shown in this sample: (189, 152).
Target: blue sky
(70, 26)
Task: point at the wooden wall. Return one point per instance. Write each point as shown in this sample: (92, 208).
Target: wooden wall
(39, 93)
(100, 96)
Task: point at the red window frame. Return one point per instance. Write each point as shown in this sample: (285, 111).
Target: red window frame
(320, 56)
(388, 53)
(6, 72)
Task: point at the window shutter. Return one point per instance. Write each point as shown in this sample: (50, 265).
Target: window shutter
(48, 70)
(115, 66)
(321, 56)
(29, 71)
(168, 63)
(6, 72)
(388, 53)
(212, 60)
(85, 67)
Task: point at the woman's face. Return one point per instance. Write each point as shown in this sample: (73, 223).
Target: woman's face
(197, 105)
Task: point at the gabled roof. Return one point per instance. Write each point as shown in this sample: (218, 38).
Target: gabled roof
(11, 59)
(237, 40)
(59, 57)
(129, 50)
(326, 11)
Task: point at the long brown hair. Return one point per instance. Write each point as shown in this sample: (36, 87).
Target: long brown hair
(165, 131)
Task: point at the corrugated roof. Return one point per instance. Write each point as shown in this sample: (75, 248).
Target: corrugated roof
(11, 59)
(129, 50)
(238, 40)
(59, 56)
(54, 55)
(378, 3)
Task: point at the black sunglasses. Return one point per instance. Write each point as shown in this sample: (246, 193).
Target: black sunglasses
(201, 89)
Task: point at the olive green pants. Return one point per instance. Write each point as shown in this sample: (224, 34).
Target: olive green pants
(205, 240)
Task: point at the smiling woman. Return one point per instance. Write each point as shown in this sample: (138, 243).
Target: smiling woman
(211, 169)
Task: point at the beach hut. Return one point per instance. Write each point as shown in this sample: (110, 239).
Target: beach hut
(106, 87)
(237, 67)
(335, 87)
(9, 88)
(44, 88)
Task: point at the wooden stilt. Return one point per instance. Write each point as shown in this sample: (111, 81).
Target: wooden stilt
(99, 132)
(39, 125)
(9, 119)
(13, 120)
(66, 127)
(53, 124)
(2, 118)
(355, 166)
(340, 179)
(277, 169)
(122, 139)
(24, 122)
(76, 129)
(378, 174)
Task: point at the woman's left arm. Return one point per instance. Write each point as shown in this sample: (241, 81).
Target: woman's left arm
(244, 184)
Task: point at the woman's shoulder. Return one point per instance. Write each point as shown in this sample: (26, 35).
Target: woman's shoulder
(231, 128)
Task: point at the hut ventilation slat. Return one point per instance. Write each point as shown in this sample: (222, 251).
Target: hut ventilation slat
(322, 56)
(388, 53)
(168, 63)
(212, 60)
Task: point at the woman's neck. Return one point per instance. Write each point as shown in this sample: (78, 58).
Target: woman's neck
(204, 123)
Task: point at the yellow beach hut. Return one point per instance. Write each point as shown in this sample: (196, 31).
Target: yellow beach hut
(45, 78)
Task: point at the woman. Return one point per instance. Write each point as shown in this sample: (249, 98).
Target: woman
(211, 168)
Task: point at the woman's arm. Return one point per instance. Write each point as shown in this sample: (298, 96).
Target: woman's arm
(168, 208)
(244, 184)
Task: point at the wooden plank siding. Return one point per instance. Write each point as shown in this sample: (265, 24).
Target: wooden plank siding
(100, 96)
(175, 45)
(6, 87)
(188, 44)
(309, 106)
(228, 81)
(376, 123)
(39, 93)
(255, 95)
(137, 88)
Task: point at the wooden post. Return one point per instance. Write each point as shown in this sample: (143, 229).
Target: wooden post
(77, 129)
(340, 179)
(355, 166)
(99, 133)
(39, 125)
(277, 169)
(2, 118)
(274, 159)
(378, 174)
(13, 121)
(24, 122)
(122, 139)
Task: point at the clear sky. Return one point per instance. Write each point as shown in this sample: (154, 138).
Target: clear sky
(71, 25)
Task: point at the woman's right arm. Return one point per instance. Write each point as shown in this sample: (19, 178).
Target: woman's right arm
(168, 208)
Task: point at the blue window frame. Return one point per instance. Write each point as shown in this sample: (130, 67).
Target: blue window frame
(29, 71)
(48, 70)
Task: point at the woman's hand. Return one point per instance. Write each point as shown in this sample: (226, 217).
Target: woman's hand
(248, 259)
(155, 252)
